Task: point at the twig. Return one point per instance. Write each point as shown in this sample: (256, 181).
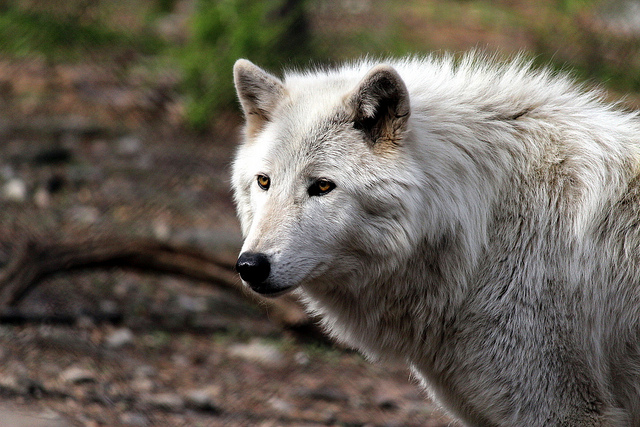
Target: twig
(33, 260)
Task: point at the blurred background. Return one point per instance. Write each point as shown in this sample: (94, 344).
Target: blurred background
(118, 120)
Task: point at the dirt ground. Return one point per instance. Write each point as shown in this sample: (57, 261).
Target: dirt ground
(82, 152)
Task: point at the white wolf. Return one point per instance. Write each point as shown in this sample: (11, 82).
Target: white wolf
(476, 219)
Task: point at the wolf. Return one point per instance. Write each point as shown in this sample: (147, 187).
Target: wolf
(475, 218)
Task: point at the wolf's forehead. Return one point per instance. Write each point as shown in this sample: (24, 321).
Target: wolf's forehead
(311, 142)
(307, 129)
(314, 108)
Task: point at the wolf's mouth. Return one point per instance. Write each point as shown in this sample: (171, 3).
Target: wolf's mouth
(270, 290)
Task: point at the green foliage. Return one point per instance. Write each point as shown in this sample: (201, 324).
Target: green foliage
(24, 33)
(57, 36)
(569, 37)
(269, 33)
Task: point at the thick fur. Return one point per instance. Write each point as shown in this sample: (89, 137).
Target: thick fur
(484, 227)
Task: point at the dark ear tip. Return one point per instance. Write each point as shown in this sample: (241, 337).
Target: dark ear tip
(383, 79)
(381, 104)
(385, 70)
(386, 73)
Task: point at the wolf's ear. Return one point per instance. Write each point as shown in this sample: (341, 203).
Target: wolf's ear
(380, 105)
(258, 92)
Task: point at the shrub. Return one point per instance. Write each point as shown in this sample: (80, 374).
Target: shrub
(270, 33)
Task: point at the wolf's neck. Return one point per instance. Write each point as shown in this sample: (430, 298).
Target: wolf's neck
(402, 315)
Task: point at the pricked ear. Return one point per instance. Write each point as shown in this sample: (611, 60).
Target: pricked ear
(258, 91)
(381, 106)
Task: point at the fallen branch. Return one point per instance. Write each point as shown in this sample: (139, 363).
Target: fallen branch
(34, 260)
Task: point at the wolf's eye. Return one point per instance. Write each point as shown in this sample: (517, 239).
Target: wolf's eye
(263, 182)
(321, 187)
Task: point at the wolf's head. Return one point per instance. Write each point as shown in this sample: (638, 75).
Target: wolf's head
(323, 181)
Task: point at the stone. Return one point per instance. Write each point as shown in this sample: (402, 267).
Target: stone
(32, 418)
(143, 384)
(134, 419)
(15, 190)
(42, 198)
(192, 304)
(203, 399)
(145, 371)
(281, 405)
(301, 358)
(119, 338)
(166, 401)
(161, 230)
(108, 306)
(77, 375)
(85, 214)
(257, 351)
(129, 145)
(9, 382)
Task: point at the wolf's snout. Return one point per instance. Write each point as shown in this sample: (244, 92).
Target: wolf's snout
(254, 268)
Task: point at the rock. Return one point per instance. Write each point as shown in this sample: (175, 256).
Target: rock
(301, 358)
(15, 379)
(119, 338)
(15, 190)
(257, 351)
(203, 399)
(77, 375)
(161, 230)
(42, 198)
(281, 405)
(134, 419)
(85, 214)
(192, 304)
(180, 360)
(329, 416)
(129, 145)
(145, 371)
(9, 382)
(143, 385)
(109, 307)
(166, 401)
(22, 418)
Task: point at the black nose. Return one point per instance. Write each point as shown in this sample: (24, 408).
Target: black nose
(254, 268)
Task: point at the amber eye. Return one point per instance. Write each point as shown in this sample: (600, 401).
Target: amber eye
(263, 182)
(321, 187)
(324, 185)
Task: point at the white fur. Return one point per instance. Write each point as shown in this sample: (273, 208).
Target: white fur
(494, 246)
